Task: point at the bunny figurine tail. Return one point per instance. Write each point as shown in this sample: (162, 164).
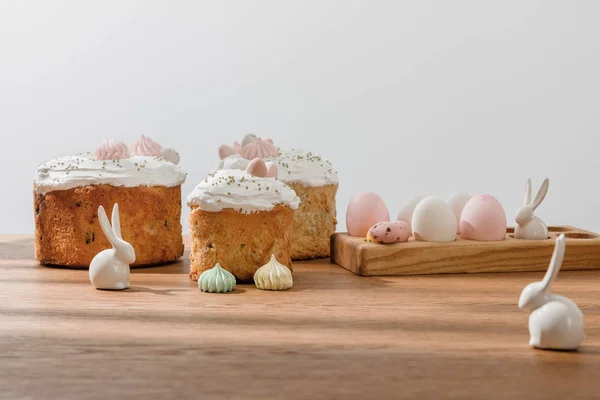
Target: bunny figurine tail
(109, 269)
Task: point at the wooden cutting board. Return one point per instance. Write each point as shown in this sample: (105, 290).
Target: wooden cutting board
(464, 256)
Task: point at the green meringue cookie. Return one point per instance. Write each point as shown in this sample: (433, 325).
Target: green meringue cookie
(216, 280)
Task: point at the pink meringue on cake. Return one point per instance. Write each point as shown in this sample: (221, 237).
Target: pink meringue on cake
(237, 148)
(146, 147)
(251, 137)
(111, 150)
(225, 150)
(258, 148)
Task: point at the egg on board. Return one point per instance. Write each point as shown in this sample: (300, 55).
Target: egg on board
(434, 221)
(483, 218)
(365, 210)
(408, 208)
(388, 232)
(457, 203)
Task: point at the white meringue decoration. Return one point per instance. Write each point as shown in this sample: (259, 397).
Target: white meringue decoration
(273, 276)
(171, 155)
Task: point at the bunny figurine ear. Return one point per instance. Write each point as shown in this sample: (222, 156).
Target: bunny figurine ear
(105, 225)
(555, 262)
(116, 222)
(541, 194)
(528, 192)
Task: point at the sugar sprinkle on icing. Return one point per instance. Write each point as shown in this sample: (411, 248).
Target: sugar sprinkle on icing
(295, 166)
(83, 169)
(240, 191)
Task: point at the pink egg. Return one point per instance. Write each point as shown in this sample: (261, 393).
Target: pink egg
(257, 167)
(272, 170)
(365, 210)
(389, 232)
(483, 218)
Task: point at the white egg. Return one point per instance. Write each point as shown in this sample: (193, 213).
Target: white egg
(434, 221)
(408, 208)
(457, 203)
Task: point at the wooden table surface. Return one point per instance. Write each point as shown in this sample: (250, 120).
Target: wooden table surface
(333, 335)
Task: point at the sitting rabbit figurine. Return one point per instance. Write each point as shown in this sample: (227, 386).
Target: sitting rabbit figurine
(528, 225)
(556, 322)
(110, 268)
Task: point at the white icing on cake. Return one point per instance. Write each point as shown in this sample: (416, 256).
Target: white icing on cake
(69, 172)
(295, 166)
(240, 191)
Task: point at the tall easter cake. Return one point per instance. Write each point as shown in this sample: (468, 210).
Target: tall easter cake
(239, 220)
(313, 179)
(144, 180)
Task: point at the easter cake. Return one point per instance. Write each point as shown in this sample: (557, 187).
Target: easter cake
(239, 219)
(313, 179)
(144, 180)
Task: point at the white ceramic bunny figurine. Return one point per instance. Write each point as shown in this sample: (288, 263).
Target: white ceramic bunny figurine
(528, 225)
(110, 268)
(556, 322)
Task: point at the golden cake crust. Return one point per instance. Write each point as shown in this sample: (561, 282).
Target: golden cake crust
(314, 221)
(67, 231)
(241, 243)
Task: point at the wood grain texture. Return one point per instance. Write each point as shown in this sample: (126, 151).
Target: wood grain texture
(464, 256)
(333, 335)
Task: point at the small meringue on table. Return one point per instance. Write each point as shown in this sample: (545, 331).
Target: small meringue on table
(216, 280)
(273, 276)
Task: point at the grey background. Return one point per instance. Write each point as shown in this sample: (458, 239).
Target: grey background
(419, 97)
